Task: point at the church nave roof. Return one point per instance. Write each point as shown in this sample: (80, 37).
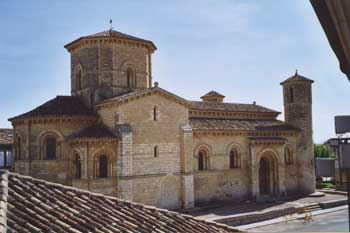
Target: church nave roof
(60, 106)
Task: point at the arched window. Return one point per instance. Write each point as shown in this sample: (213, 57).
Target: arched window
(77, 166)
(103, 166)
(50, 146)
(291, 94)
(235, 161)
(19, 148)
(131, 79)
(203, 160)
(78, 80)
(155, 113)
(288, 156)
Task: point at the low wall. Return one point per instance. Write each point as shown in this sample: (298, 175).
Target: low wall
(257, 217)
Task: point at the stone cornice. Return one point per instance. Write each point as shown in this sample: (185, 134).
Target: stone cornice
(232, 115)
(268, 143)
(53, 119)
(114, 102)
(91, 141)
(245, 133)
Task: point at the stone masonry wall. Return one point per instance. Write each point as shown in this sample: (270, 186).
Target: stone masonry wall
(299, 114)
(151, 174)
(32, 135)
(104, 68)
(220, 182)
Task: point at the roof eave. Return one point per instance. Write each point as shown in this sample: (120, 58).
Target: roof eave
(19, 118)
(120, 99)
(70, 45)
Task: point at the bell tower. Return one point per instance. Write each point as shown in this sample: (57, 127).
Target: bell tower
(108, 64)
(297, 98)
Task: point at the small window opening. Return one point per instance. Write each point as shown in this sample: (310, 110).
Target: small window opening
(155, 113)
(78, 80)
(131, 79)
(291, 93)
(203, 163)
(156, 152)
(77, 165)
(50, 148)
(103, 166)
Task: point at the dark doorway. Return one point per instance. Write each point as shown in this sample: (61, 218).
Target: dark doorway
(103, 162)
(264, 177)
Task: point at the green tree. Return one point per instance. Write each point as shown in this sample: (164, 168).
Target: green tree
(321, 151)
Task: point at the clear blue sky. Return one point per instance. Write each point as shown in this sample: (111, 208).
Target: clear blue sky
(242, 49)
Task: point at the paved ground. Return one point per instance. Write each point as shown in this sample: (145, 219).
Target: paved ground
(330, 222)
(229, 209)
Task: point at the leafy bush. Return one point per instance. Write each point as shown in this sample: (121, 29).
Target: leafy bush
(321, 151)
(322, 185)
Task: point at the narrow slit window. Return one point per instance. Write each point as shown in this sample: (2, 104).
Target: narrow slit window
(78, 80)
(155, 113)
(77, 166)
(156, 152)
(131, 78)
(291, 93)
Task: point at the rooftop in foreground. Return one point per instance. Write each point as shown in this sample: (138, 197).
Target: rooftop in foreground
(33, 205)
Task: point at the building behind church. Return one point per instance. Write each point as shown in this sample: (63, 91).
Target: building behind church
(123, 135)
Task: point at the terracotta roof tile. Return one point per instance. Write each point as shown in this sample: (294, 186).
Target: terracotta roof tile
(94, 131)
(112, 34)
(61, 106)
(6, 136)
(67, 209)
(143, 92)
(209, 124)
(232, 107)
(296, 77)
(212, 93)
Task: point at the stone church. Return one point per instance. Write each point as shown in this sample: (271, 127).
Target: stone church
(120, 134)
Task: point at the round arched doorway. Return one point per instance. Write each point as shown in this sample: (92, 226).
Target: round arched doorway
(268, 175)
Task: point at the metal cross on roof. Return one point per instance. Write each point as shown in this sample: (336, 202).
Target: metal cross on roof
(110, 24)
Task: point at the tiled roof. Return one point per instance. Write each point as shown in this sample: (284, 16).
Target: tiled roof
(212, 93)
(33, 205)
(6, 136)
(143, 92)
(296, 77)
(94, 131)
(232, 107)
(207, 124)
(112, 34)
(61, 106)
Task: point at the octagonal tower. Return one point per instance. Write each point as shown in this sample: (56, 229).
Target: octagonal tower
(109, 63)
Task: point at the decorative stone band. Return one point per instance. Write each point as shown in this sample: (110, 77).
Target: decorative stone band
(245, 133)
(267, 140)
(54, 119)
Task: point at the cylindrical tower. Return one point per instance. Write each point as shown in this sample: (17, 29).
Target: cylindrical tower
(297, 96)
